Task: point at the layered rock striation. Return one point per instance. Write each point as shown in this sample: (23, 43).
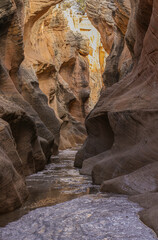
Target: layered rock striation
(58, 55)
(110, 18)
(121, 149)
(44, 96)
(97, 55)
(29, 129)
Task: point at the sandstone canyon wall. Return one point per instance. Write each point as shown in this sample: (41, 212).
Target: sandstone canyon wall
(121, 149)
(97, 55)
(110, 18)
(65, 51)
(58, 55)
(29, 130)
(38, 51)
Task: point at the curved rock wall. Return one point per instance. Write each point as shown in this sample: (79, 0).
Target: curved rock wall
(59, 57)
(38, 51)
(122, 155)
(97, 55)
(111, 18)
(28, 137)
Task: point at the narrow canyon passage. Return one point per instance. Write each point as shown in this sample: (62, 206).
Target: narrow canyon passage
(78, 120)
(77, 209)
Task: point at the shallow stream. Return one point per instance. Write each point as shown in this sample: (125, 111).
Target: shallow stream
(57, 183)
(64, 205)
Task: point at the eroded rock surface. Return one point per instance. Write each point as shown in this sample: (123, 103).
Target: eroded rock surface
(122, 128)
(26, 140)
(59, 57)
(111, 18)
(89, 218)
(97, 55)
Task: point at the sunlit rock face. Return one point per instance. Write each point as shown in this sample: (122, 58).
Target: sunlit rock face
(110, 18)
(97, 55)
(122, 128)
(58, 56)
(26, 142)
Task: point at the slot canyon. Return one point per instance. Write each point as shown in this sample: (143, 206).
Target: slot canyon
(78, 117)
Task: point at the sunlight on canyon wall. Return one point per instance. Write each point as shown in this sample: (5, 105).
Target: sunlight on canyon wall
(97, 55)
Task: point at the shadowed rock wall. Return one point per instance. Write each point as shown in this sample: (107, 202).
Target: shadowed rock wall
(28, 134)
(54, 59)
(111, 18)
(122, 155)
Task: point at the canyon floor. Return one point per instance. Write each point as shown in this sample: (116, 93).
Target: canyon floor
(64, 205)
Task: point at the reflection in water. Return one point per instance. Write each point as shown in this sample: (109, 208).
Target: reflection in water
(59, 182)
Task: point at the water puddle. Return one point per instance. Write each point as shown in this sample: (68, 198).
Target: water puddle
(57, 183)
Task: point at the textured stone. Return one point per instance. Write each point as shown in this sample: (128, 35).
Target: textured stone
(100, 14)
(49, 129)
(150, 214)
(97, 55)
(111, 19)
(89, 218)
(20, 147)
(126, 115)
(58, 56)
(10, 172)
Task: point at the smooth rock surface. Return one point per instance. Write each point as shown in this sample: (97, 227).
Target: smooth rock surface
(26, 140)
(86, 218)
(111, 18)
(58, 55)
(123, 124)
